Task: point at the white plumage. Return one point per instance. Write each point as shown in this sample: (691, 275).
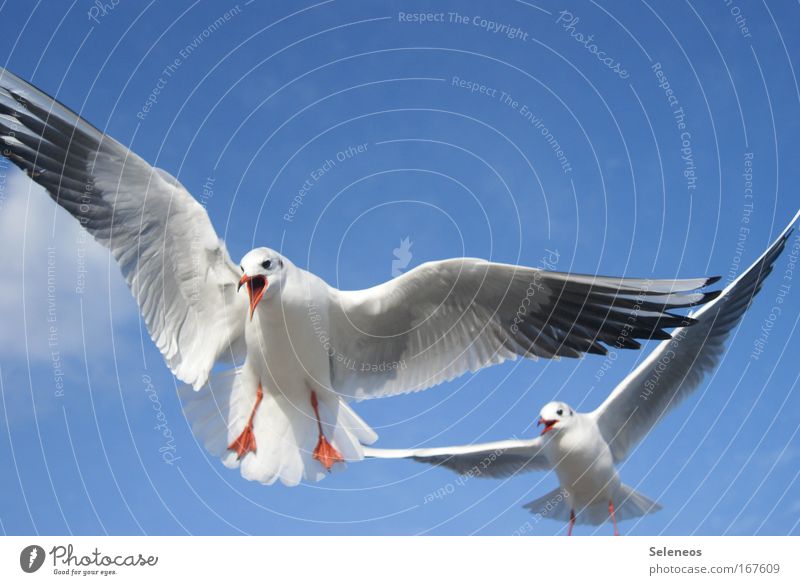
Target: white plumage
(583, 449)
(302, 349)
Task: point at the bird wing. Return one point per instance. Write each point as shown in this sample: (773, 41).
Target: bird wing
(445, 318)
(677, 366)
(497, 459)
(177, 268)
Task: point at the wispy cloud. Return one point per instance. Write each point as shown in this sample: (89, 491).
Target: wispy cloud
(49, 266)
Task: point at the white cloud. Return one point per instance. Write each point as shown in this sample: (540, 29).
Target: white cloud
(50, 265)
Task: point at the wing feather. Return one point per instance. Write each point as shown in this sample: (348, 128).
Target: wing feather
(496, 459)
(445, 318)
(177, 268)
(677, 366)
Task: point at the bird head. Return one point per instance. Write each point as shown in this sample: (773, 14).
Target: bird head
(555, 416)
(262, 269)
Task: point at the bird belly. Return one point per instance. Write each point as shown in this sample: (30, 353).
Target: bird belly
(587, 473)
(286, 350)
(589, 488)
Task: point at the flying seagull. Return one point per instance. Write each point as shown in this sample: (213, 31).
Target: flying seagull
(301, 349)
(583, 448)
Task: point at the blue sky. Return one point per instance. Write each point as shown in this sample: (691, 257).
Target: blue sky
(253, 107)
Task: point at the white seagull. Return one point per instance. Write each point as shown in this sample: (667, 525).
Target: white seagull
(301, 349)
(583, 448)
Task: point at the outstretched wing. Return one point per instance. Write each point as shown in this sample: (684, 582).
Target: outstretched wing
(177, 268)
(677, 366)
(497, 459)
(445, 318)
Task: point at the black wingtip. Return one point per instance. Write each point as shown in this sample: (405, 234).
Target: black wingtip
(686, 321)
(711, 280)
(660, 334)
(708, 296)
(598, 349)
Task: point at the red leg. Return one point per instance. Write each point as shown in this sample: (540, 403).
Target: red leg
(613, 519)
(246, 442)
(571, 522)
(324, 452)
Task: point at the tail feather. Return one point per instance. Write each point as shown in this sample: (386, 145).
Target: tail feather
(628, 504)
(342, 438)
(553, 505)
(632, 504)
(276, 452)
(208, 411)
(285, 428)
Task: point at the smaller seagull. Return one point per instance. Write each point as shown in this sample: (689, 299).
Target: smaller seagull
(583, 448)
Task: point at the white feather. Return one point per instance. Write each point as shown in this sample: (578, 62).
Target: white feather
(285, 429)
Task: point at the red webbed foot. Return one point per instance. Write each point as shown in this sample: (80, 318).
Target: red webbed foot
(326, 453)
(246, 441)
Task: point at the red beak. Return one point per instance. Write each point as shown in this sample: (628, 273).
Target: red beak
(548, 425)
(256, 285)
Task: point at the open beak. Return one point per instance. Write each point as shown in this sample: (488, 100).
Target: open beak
(256, 285)
(548, 425)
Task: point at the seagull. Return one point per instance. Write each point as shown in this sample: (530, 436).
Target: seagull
(584, 448)
(299, 351)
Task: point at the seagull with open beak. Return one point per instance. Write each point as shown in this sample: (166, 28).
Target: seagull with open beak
(256, 284)
(299, 413)
(584, 448)
(305, 350)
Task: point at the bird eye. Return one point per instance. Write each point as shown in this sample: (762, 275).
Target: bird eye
(266, 264)
(559, 412)
(241, 268)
